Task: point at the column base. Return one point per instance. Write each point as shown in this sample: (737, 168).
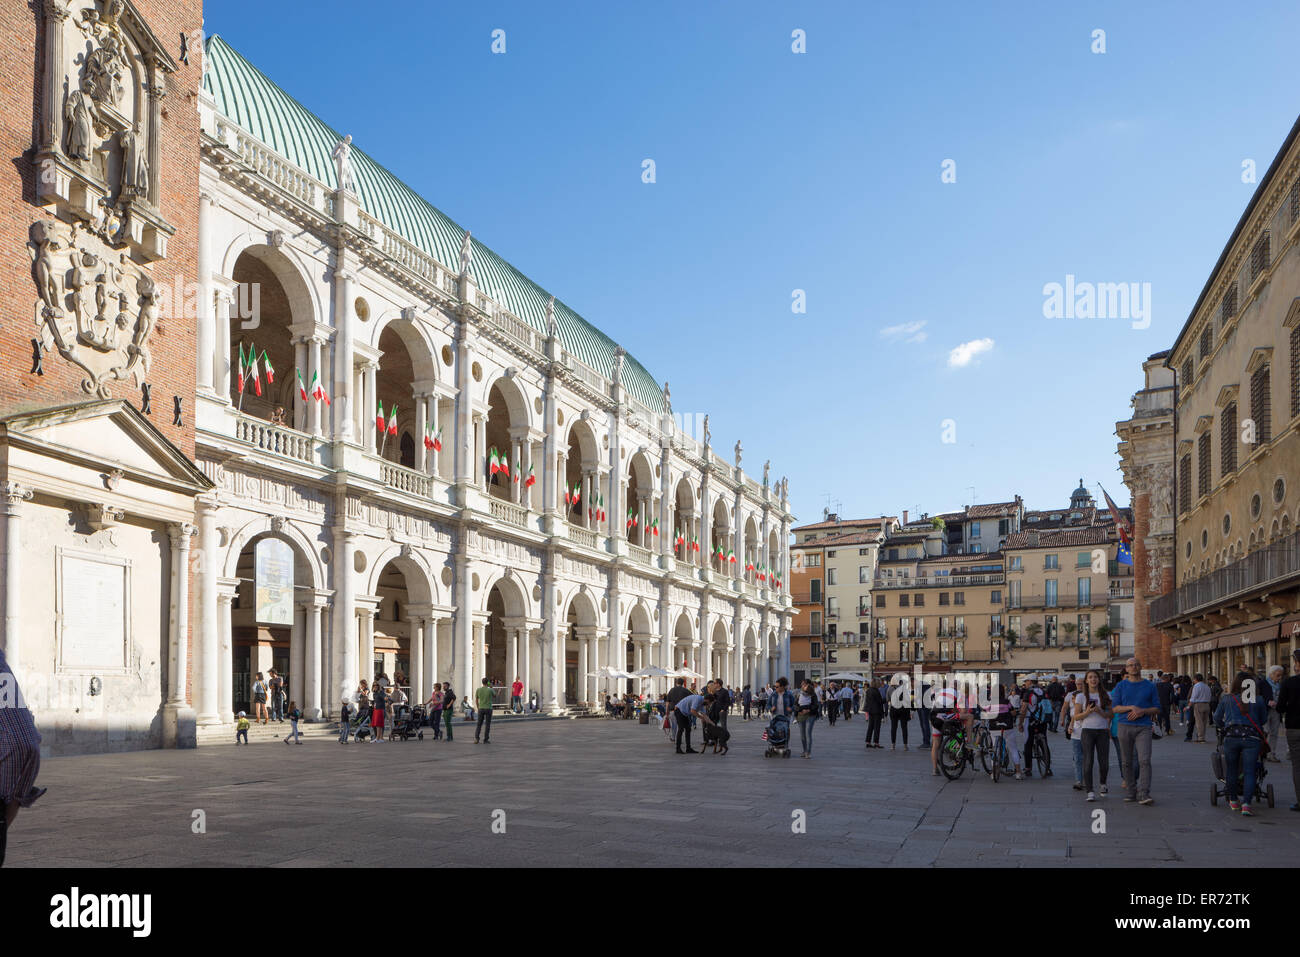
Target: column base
(178, 727)
(208, 720)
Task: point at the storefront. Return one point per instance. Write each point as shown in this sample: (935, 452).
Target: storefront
(1225, 653)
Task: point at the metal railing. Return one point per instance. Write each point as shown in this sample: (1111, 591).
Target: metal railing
(940, 581)
(1061, 600)
(276, 439)
(1263, 567)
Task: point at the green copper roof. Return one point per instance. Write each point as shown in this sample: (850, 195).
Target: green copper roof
(249, 99)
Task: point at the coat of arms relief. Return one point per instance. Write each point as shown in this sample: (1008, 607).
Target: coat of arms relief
(97, 174)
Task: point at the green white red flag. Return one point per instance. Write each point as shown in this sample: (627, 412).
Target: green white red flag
(302, 386)
(392, 421)
(379, 418)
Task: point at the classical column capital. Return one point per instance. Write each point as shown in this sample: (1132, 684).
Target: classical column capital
(14, 495)
(181, 533)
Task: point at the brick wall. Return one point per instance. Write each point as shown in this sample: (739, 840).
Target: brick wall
(1151, 645)
(173, 341)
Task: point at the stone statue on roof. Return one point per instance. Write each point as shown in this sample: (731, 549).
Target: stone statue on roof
(342, 155)
(552, 327)
(739, 448)
(668, 399)
(466, 254)
(767, 467)
(707, 434)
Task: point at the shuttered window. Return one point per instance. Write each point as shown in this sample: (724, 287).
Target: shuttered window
(1185, 484)
(1260, 402)
(1203, 464)
(1207, 340)
(1228, 308)
(1295, 372)
(1187, 373)
(1259, 256)
(1228, 439)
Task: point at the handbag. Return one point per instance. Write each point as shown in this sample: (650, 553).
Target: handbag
(1264, 749)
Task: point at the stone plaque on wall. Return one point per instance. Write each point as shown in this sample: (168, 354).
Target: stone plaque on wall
(93, 605)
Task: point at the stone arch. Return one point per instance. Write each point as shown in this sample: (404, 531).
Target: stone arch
(271, 298)
(581, 469)
(641, 487)
(515, 593)
(639, 619)
(421, 578)
(266, 525)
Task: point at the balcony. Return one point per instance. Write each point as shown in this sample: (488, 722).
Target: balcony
(509, 512)
(582, 536)
(806, 598)
(1265, 568)
(1120, 590)
(275, 439)
(639, 554)
(941, 581)
(1061, 600)
(406, 480)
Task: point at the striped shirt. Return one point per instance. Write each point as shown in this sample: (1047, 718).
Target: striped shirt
(20, 744)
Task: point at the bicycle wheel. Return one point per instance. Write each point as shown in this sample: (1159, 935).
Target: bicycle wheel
(952, 757)
(984, 747)
(1043, 756)
(999, 757)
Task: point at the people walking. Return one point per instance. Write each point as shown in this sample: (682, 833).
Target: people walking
(379, 705)
(435, 710)
(294, 716)
(259, 699)
(1092, 720)
(448, 707)
(807, 709)
(1076, 741)
(899, 715)
(483, 699)
(1201, 699)
(832, 704)
(874, 704)
(1136, 702)
(1243, 739)
(345, 717)
(846, 702)
(746, 701)
(1165, 692)
(674, 697)
(517, 696)
(1056, 700)
(1274, 733)
(1288, 706)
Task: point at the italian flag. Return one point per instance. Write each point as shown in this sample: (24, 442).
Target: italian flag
(270, 372)
(749, 567)
(532, 479)
(568, 496)
(600, 508)
(680, 540)
(695, 544)
(503, 463)
(731, 556)
(302, 386)
(654, 528)
(428, 437)
(255, 371)
(379, 418)
(577, 493)
(437, 441)
(392, 421)
(631, 519)
(762, 575)
(318, 390)
(243, 369)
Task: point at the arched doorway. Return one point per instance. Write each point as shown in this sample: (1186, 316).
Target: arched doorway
(753, 556)
(749, 661)
(262, 354)
(403, 390)
(684, 524)
(640, 647)
(505, 637)
(640, 501)
(723, 550)
(720, 652)
(506, 440)
(267, 625)
(684, 645)
(582, 475)
(581, 651)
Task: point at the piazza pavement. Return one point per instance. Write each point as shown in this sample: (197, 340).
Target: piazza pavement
(605, 793)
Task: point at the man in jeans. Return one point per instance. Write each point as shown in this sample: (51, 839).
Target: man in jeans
(277, 705)
(1055, 695)
(483, 699)
(1136, 701)
(517, 696)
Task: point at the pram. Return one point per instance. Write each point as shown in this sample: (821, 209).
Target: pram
(360, 725)
(1219, 788)
(407, 722)
(777, 736)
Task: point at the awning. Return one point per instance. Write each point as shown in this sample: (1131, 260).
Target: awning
(1291, 627)
(1230, 638)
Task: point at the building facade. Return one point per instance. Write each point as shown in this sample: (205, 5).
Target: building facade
(1234, 484)
(530, 505)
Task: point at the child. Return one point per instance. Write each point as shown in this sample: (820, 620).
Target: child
(241, 727)
(293, 715)
(345, 715)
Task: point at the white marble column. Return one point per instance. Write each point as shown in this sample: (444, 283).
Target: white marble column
(584, 666)
(315, 369)
(345, 614)
(347, 404)
(312, 657)
(13, 495)
(527, 672)
(209, 635)
(225, 653)
(417, 645)
(464, 631)
(178, 659)
(372, 408)
(512, 656)
(221, 318)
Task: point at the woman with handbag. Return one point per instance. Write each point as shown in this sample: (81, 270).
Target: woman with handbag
(807, 709)
(1243, 743)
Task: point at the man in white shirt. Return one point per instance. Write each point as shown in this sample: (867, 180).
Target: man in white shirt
(846, 702)
(1200, 702)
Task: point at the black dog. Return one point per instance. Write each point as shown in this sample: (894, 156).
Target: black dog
(716, 735)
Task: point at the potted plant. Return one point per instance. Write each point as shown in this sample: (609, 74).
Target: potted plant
(1012, 637)
(1069, 628)
(1032, 631)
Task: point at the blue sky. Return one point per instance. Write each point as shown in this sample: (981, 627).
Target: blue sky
(820, 171)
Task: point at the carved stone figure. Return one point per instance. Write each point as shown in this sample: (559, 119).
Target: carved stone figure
(43, 244)
(343, 170)
(707, 434)
(767, 466)
(739, 448)
(135, 164)
(105, 67)
(77, 113)
(668, 399)
(466, 254)
(552, 327)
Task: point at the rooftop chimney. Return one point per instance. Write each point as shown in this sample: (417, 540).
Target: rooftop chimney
(904, 516)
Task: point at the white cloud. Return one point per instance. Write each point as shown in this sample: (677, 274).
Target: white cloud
(906, 332)
(965, 353)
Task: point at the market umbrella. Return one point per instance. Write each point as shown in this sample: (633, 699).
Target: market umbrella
(846, 676)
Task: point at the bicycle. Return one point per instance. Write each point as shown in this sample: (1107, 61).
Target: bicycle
(954, 752)
(1042, 754)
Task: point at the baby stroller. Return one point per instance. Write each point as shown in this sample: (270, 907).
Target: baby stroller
(777, 736)
(1219, 787)
(361, 730)
(407, 722)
